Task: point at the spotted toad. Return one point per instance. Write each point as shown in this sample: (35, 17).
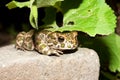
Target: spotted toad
(47, 42)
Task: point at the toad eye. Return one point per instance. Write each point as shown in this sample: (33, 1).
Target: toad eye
(60, 39)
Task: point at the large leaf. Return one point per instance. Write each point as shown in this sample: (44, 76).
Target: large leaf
(113, 46)
(14, 4)
(107, 47)
(89, 16)
(46, 3)
(38, 3)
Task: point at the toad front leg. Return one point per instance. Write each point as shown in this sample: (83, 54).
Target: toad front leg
(46, 50)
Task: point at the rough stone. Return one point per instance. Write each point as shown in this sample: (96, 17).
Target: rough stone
(30, 65)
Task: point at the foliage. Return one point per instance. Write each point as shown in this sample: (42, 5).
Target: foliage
(108, 49)
(89, 16)
(33, 5)
(112, 43)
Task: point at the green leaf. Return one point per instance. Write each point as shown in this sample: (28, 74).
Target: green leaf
(107, 47)
(113, 46)
(46, 3)
(34, 16)
(89, 16)
(14, 4)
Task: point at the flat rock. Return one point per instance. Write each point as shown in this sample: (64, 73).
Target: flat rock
(30, 65)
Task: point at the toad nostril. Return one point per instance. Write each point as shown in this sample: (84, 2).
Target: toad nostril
(60, 39)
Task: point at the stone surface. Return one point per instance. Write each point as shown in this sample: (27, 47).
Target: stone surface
(30, 65)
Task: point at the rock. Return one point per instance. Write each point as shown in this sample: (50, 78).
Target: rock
(30, 65)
